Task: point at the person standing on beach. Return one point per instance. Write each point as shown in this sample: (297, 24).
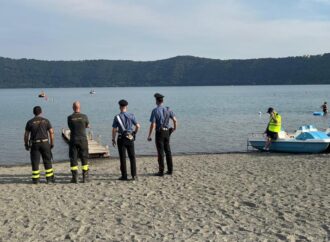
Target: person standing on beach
(123, 124)
(160, 118)
(273, 127)
(78, 144)
(39, 140)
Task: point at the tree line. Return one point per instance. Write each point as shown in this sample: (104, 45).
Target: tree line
(176, 71)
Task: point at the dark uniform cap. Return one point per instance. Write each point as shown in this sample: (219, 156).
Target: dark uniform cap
(270, 109)
(123, 102)
(158, 95)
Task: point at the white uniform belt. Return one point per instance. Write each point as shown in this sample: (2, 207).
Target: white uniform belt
(39, 140)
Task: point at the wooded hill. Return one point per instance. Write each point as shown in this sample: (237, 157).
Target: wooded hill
(177, 71)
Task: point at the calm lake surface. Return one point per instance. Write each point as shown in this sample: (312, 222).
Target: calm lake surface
(211, 119)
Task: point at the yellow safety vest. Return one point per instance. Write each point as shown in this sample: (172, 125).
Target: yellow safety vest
(275, 126)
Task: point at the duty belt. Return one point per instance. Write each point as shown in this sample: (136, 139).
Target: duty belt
(39, 141)
(163, 129)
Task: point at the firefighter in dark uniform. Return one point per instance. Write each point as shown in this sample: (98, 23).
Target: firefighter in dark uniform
(160, 119)
(39, 140)
(78, 144)
(123, 124)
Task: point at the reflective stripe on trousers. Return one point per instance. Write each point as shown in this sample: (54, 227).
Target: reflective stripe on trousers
(85, 168)
(50, 172)
(74, 168)
(36, 174)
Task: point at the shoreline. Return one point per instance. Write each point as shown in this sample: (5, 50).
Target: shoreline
(255, 152)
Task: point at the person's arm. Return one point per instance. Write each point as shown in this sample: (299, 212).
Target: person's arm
(137, 127)
(26, 139)
(51, 137)
(152, 124)
(114, 134)
(151, 128)
(175, 123)
(87, 123)
(69, 123)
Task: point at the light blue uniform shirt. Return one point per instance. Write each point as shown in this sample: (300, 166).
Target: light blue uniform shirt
(128, 120)
(161, 116)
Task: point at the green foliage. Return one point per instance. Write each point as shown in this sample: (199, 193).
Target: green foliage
(177, 71)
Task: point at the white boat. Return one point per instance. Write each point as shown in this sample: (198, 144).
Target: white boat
(306, 139)
(92, 92)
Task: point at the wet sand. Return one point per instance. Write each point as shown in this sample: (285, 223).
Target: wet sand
(224, 197)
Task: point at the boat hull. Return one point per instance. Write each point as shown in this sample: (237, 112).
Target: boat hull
(292, 146)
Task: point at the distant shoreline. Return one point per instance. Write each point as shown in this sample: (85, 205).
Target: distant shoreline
(176, 71)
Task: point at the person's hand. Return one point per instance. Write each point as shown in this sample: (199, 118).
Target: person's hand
(134, 135)
(114, 143)
(51, 146)
(149, 139)
(26, 147)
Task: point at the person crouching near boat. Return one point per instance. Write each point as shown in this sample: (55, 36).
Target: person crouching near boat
(273, 127)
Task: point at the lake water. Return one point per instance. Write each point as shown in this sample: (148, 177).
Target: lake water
(211, 119)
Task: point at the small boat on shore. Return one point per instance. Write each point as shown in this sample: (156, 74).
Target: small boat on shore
(95, 148)
(306, 139)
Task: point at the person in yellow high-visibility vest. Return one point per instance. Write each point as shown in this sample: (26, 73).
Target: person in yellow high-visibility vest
(273, 127)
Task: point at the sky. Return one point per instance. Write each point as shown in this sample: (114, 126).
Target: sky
(145, 30)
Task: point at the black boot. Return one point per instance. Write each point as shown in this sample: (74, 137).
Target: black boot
(50, 179)
(74, 177)
(35, 180)
(85, 176)
(123, 178)
(160, 173)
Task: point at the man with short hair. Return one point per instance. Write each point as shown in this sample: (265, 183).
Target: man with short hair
(78, 144)
(123, 124)
(39, 140)
(273, 127)
(160, 118)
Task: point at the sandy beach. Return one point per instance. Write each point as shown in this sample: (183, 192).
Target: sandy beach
(224, 197)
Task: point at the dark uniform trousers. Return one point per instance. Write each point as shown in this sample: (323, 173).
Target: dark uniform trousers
(163, 145)
(123, 145)
(41, 149)
(78, 148)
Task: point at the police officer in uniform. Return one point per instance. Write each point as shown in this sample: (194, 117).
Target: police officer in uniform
(123, 124)
(39, 140)
(78, 144)
(160, 118)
